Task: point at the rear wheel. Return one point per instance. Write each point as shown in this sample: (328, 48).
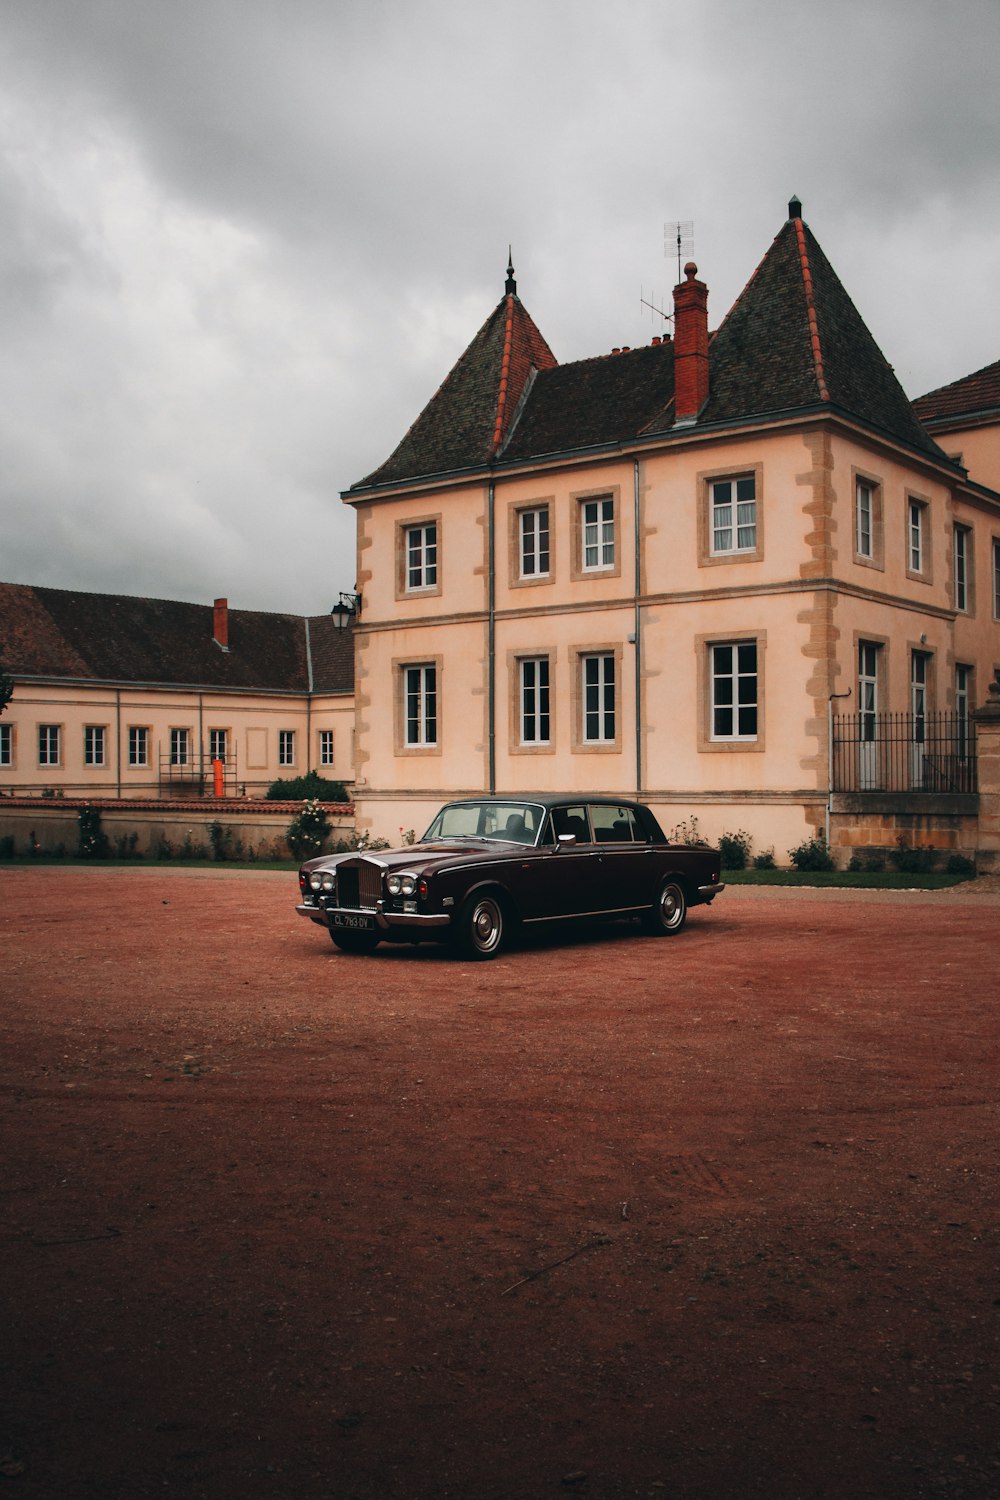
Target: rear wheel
(669, 911)
(481, 927)
(354, 942)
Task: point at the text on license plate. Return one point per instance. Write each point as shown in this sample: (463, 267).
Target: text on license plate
(347, 919)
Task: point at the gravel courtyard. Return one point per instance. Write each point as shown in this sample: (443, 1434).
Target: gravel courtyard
(705, 1217)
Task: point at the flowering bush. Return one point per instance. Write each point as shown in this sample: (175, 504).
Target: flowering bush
(308, 830)
(93, 841)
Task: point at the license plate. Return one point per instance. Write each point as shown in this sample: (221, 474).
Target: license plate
(348, 919)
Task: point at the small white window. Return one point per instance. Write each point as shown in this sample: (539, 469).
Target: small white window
(963, 569)
(6, 745)
(916, 536)
(598, 699)
(286, 747)
(533, 541)
(180, 747)
(420, 705)
(996, 580)
(217, 744)
(421, 556)
(534, 695)
(326, 747)
(48, 744)
(93, 744)
(138, 745)
(598, 534)
(734, 691)
(734, 515)
(864, 519)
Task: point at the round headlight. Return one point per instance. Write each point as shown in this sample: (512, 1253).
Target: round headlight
(329, 881)
(315, 880)
(407, 884)
(392, 884)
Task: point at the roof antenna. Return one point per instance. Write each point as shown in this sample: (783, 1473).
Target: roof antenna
(679, 238)
(510, 286)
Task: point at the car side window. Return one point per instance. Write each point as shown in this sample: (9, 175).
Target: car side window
(612, 825)
(572, 820)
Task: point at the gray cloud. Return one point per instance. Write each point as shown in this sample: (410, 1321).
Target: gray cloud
(242, 241)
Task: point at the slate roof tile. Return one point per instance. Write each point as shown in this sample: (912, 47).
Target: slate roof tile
(973, 395)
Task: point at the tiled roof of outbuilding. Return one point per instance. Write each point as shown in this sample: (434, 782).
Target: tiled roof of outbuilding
(973, 395)
(792, 340)
(47, 632)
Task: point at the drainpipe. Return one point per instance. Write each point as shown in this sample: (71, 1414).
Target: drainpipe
(829, 758)
(636, 628)
(492, 626)
(201, 738)
(118, 740)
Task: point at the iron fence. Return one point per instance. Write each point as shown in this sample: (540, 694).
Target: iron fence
(874, 752)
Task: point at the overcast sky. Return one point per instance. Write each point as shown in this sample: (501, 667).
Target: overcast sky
(243, 241)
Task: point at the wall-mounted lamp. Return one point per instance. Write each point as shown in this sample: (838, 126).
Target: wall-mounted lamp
(345, 610)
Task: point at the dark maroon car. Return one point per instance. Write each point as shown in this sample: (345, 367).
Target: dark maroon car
(489, 865)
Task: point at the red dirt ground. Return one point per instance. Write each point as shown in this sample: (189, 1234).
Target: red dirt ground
(704, 1217)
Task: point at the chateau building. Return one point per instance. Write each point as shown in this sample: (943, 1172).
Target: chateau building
(117, 696)
(667, 571)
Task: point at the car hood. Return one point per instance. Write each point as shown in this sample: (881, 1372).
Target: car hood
(421, 856)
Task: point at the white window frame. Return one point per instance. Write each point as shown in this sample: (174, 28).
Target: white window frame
(533, 541)
(534, 700)
(732, 534)
(864, 519)
(214, 741)
(286, 747)
(95, 743)
(50, 744)
(138, 745)
(996, 578)
(420, 557)
(6, 745)
(420, 705)
(727, 691)
(962, 542)
(915, 541)
(180, 747)
(598, 698)
(597, 533)
(326, 747)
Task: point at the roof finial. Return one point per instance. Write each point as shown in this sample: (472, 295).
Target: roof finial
(795, 207)
(510, 286)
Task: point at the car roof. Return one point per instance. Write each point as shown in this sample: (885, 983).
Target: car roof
(549, 799)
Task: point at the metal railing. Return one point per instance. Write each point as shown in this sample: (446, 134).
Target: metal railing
(874, 752)
(195, 777)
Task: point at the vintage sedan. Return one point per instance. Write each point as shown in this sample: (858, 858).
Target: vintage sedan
(488, 866)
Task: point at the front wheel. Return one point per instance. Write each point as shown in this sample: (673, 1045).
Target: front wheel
(354, 942)
(669, 911)
(480, 930)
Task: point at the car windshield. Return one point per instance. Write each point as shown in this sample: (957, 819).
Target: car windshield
(512, 822)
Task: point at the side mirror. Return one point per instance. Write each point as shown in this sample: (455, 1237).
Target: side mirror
(566, 839)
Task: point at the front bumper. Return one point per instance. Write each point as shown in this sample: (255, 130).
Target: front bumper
(384, 920)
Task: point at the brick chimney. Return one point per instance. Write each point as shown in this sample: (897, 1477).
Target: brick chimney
(220, 623)
(690, 347)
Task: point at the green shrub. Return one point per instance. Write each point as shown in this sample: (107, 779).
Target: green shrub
(867, 861)
(812, 854)
(735, 850)
(308, 830)
(910, 861)
(93, 841)
(960, 864)
(764, 860)
(310, 788)
(687, 833)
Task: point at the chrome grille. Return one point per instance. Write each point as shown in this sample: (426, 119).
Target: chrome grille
(359, 886)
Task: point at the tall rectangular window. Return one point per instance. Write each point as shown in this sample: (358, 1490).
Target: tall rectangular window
(868, 675)
(963, 569)
(217, 743)
(533, 688)
(286, 747)
(326, 747)
(734, 691)
(597, 534)
(138, 745)
(180, 747)
(48, 744)
(916, 512)
(420, 705)
(864, 519)
(598, 698)
(94, 737)
(734, 515)
(996, 579)
(421, 544)
(6, 745)
(533, 541)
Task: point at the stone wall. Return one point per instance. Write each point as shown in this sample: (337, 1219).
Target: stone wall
(253, 830)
